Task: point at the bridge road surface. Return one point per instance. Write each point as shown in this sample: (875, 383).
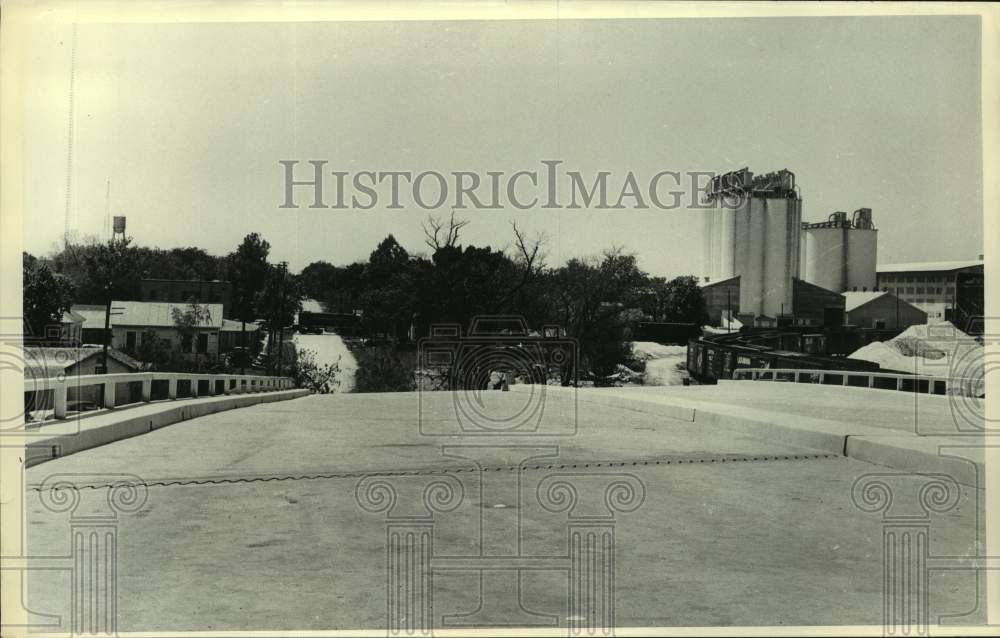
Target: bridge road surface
(252, 520)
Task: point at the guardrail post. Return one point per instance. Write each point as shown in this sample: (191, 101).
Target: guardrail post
(194, 387)
(822, 378)
(109, 395)
(147, 389)
(225, 385)
(59, 401)
(846, 377)
(172, 386)
(899, 383)
(871, 380)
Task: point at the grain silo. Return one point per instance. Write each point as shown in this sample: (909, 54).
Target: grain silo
(840, 253)
(753, 233)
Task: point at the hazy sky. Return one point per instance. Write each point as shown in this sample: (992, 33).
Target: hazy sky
(189, 122)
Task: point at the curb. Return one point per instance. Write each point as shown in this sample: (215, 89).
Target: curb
(84, 438)
(910, 453)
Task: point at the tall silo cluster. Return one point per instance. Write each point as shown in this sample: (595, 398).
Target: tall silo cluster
(753, 232)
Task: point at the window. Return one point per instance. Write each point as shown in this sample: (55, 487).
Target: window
(909, 290)
(920, 290)
(130, 340)
(202, 343)
(186, 343)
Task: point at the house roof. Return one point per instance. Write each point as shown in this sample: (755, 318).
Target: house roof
(93, 315)
(42, 363)
(72, 317)
(928, 266)
(854, 300)
(231, 325)
(153, 314)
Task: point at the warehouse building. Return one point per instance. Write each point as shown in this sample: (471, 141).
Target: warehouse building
(881, 311)
(945, 290)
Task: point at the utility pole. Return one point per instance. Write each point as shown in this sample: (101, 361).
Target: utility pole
(281, 318)
(107, 327)
(729, 311)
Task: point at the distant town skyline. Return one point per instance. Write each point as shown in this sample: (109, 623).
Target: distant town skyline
(190, 123)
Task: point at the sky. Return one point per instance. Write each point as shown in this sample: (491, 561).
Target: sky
(189, 122)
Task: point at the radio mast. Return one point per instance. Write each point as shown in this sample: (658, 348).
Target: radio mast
(69, 142)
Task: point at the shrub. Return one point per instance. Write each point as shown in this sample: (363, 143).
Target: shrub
(382, 369)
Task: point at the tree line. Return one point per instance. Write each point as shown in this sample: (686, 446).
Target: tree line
(597, 301)
(397, 295)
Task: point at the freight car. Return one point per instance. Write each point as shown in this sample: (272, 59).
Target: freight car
(710, 359)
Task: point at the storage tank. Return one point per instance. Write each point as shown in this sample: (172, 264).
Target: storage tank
(840, 254)
(768, 257)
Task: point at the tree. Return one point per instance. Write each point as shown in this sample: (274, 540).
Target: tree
(318, 378)
(280, 300)
(319, 280)
(106, 265)
(247, 270)
(685, 301)
(47, 295)
(592, 301)
(152, 350)
(188, 323)
(389, 290)
(436, 236)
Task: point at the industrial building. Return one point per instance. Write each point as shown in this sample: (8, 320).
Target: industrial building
(945, 290)
(881, 311)
(766, 267)
(753, 234)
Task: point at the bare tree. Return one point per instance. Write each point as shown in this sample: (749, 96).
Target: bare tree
(434, 227)
(529, 257)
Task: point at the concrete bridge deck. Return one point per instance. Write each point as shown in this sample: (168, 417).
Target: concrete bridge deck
(253, 519)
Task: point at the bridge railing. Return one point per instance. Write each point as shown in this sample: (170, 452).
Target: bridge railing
(965, 386)
(54, 393)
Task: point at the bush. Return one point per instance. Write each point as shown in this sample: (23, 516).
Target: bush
(382, 369)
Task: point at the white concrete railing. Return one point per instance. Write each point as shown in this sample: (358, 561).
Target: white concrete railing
(232, 384)
(901, 382)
